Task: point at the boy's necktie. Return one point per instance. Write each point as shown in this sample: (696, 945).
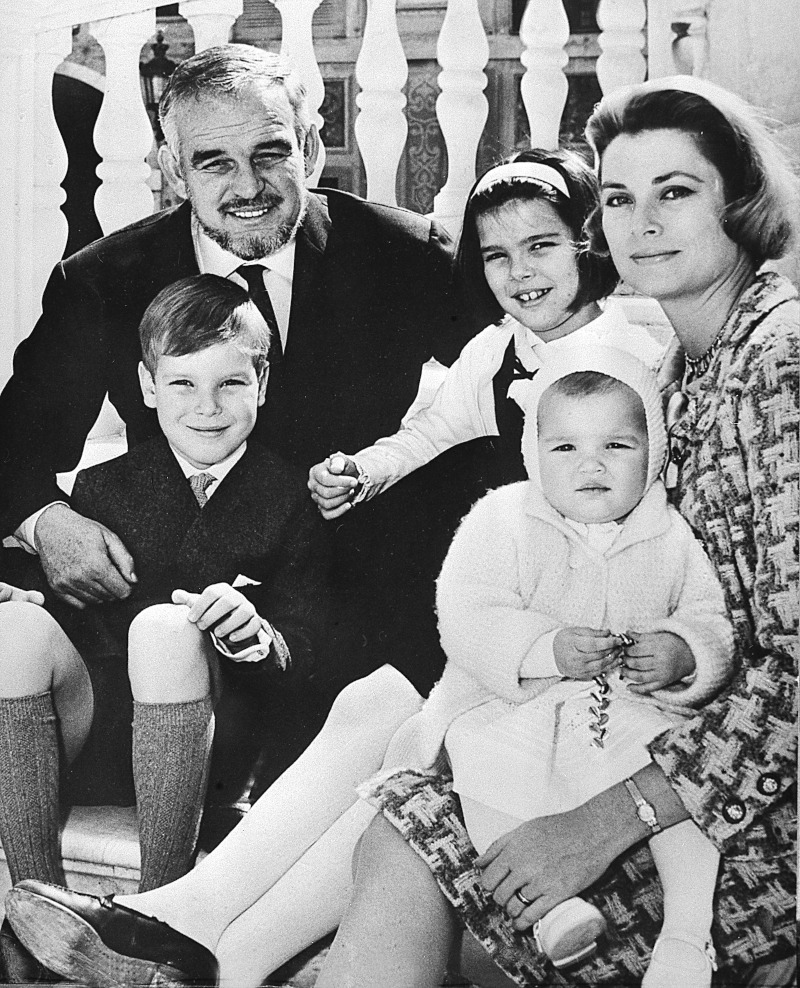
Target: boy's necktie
(253, 274)
(200, 483)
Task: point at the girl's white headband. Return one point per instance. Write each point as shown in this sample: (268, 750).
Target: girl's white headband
(523, 171)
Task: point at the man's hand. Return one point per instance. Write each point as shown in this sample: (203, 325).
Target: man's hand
(333, 484)
(583, 653)
(84, 562)
(222, 609)
(655, 660)
(7, 592)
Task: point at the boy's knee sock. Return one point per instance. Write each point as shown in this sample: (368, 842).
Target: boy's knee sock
(171, 750)
(687, 864)
(29, 788)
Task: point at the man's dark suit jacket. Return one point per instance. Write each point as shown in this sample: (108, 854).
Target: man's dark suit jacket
(259, 523)
(371, 302)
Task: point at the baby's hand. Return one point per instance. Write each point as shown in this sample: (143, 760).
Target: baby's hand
(7, 592)
(655, 660)
(222, 609)
(333, 484)
(583, 653)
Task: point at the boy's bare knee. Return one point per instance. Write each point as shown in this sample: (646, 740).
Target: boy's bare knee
(163, 645)
(31, 642)
(385, 696)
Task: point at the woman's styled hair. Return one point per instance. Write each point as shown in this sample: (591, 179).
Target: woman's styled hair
(761, 192)
(224, 71)
(597, 276)
(198, 312)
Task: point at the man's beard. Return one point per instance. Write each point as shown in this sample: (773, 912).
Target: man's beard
(251, 247)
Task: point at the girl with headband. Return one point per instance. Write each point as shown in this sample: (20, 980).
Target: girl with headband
(522, 253)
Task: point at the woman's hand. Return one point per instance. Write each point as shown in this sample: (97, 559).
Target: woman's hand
(555, 857)
(548, 859)
(333, 485)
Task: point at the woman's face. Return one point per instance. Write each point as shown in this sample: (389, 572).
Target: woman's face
(662, 203)
(529, 263)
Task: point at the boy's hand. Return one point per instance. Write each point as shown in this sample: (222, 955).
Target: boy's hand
(583, 653)
(7, 592)
(655, 660)
(333, 484)
(222, 609)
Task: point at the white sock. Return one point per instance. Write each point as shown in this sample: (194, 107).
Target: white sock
(687, 864)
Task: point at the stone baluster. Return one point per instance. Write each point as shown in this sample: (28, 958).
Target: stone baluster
(621, 62)
(690, 47)
(462, 51)
(123, 135)
(50, 227)
(381, 126)
(544, 32)
(210, 20)
(18, 293)
(297, 44)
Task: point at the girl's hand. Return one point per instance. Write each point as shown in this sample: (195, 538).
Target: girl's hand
(548, 860)
(655, 660)
(222, 609)
(583, 653)
(333, 485)
(7, 592)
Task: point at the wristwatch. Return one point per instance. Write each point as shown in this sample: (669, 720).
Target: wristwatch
(644, 810)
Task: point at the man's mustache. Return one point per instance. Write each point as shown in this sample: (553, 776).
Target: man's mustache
(266, 200)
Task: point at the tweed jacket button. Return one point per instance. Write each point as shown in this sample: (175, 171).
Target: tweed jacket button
(734, 811)
(768, 784)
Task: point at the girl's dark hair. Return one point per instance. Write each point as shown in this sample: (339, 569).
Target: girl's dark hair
(760, 190)
(195, 313)
(597, 276)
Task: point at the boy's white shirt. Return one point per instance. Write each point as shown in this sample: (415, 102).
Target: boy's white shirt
(463, 406)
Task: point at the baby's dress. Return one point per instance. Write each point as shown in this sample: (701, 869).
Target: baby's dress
(514, 762)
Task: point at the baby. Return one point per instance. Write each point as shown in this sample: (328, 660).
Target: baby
(581, 618)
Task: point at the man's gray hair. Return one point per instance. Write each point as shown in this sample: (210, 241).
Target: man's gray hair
(225, 71)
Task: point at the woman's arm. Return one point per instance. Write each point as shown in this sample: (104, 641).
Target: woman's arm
(554, 857)
(749, 734)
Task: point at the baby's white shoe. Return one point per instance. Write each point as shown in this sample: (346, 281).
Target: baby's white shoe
(681, 960)
(569, 932)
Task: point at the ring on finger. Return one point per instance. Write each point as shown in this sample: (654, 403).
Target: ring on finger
(525, 902)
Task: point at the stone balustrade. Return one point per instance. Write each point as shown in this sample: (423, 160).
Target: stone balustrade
(37, 36)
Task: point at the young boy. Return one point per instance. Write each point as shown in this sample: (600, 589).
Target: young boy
(230, 564)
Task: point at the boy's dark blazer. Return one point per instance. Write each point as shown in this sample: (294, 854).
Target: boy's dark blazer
(260, 523)
(371, 302)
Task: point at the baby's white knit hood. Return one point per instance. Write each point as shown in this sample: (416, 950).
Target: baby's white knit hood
(620, 365)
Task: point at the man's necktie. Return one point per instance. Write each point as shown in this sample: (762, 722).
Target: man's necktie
(253, 274)
(200, 483)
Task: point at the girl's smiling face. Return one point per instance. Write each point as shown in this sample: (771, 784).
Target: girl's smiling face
(530, 266)
(663, 203)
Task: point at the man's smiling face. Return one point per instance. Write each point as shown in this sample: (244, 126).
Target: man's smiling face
(241, 165)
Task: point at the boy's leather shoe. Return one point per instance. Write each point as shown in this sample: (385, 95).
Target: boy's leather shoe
(96, 942)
